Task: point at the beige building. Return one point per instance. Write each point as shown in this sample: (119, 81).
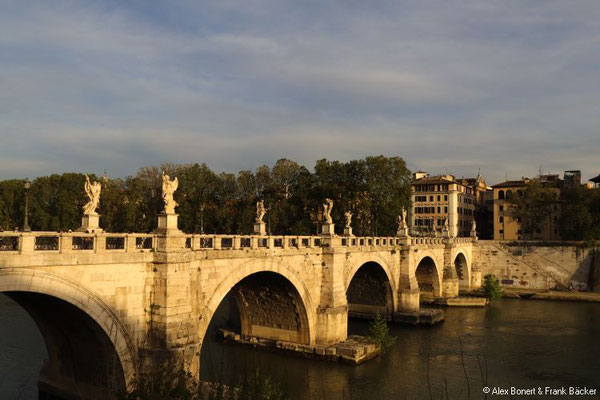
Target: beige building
(437, 198)
(508, 228)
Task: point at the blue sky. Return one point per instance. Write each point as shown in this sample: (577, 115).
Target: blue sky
(505, 86)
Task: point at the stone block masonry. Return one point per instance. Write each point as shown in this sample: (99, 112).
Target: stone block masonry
(152, 296)
(540, 265)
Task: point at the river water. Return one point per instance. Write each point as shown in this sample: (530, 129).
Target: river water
(518, 343)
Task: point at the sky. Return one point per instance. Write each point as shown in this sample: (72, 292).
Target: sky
(508, 87)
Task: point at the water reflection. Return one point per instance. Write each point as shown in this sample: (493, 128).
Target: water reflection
(521, 342)
(22, 352)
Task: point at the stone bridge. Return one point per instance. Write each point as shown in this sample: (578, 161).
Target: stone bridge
(110, 306)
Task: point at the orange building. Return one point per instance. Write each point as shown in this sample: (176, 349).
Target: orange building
(437, 198)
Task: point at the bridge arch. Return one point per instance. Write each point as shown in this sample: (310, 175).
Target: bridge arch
(90, 351)
(371, 289)
(429, 277)
(265, 276)
(463, 269)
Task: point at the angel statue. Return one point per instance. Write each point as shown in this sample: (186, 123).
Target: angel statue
(473, 227)
(168, 188)
(92, 190)
(348, 216)
(327, 206)
(402, 219)
(260, 211)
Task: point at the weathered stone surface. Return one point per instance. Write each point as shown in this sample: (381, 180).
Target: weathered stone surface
(154, 295)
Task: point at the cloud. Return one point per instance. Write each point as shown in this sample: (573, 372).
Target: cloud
(448, 85)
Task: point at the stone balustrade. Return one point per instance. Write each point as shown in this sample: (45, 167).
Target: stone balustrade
(63, 242)
(66, 242)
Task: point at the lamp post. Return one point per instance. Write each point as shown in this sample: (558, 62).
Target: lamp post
(27, 186)
(202, 218)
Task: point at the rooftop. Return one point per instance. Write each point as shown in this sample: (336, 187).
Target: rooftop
(519, 183)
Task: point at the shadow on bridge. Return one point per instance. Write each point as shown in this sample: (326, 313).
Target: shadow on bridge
(370, 292)
(428, 279)
(82, 361)
(264, 306)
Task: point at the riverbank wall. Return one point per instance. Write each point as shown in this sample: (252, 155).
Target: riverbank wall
(541, 265)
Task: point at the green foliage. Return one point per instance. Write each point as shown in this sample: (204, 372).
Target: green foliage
(374, 189)
(491, 287)
(580, 215)
(379, 333)
(533, 206)
(169, 383)
(259, 387)
(173, 383)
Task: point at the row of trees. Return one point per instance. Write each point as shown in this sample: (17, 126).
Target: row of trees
(375, 189)
(579, 210)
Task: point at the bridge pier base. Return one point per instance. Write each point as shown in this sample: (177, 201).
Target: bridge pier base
(331, 325)
(450, 287)
(409, 300)
(476, 277)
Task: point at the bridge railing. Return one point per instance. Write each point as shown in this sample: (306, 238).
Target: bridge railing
(67, 242)
(439, 240)
(238, 242)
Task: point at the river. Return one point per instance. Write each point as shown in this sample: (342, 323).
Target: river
(523, 343)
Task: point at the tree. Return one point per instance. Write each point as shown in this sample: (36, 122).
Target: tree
(379, 333)
(532, 206)
(374, 189)
(579, 219)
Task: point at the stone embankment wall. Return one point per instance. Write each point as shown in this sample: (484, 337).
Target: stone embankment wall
(540, 265)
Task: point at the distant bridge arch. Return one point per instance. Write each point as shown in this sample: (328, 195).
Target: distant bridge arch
(300, 300)
(429, 276)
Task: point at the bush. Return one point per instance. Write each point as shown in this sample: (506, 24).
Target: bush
(379, 333)
(491, 287)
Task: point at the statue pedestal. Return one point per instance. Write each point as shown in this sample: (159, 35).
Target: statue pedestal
(348, 232)
(90, 223)
(260, 228)
(328, 229)
(402, 232)
(167, 223)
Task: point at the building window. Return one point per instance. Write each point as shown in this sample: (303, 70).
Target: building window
(445, 197)
(501, 219)
(501, 208)
(501, 194)
(439, 210)
(501, 231)
(446, 210)
(430, 198)
(439, 197)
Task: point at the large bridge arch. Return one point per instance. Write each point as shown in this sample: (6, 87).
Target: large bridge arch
(254, 268)
(429, 276)
(80, 332)
(371, 288)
